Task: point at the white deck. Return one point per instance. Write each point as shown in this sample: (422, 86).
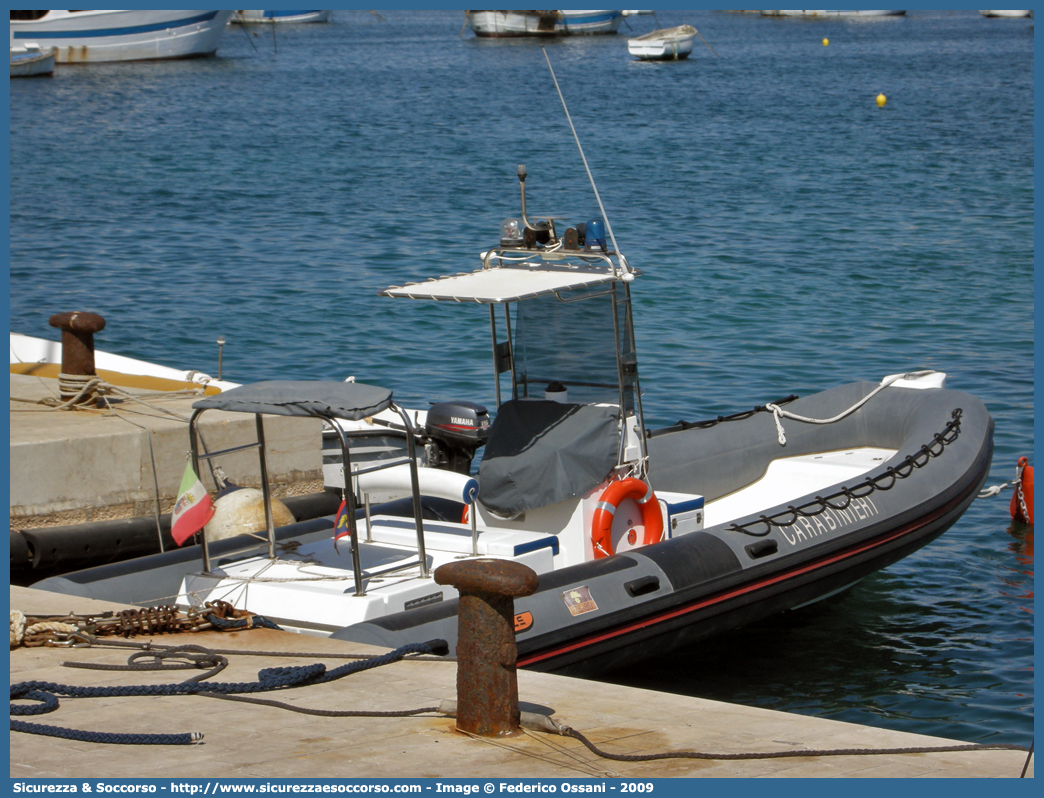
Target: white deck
(311, 589)
(789, 478)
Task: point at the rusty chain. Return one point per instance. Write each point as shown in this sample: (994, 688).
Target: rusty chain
(72, 629)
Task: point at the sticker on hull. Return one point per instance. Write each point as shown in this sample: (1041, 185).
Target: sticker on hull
(578, 600)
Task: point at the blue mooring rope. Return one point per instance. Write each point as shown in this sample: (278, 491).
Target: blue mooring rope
(268, 679)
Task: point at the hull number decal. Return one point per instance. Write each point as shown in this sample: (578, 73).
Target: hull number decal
(578, 600)
(523, 622)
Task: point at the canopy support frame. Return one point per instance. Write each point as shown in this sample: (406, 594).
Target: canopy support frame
(349, 492)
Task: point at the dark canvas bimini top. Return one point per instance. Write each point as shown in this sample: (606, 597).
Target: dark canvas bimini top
(349, 400)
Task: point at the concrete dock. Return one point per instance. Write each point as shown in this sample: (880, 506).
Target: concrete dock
(246, 741)
(86, 465)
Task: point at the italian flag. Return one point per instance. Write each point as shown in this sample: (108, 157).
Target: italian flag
(193, 508)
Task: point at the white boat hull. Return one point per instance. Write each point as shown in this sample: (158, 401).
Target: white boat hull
(499, 24)
(671, 44)
(41, 357)
(262, 17)
(29, 64)
(1006, 14)
(101, 36)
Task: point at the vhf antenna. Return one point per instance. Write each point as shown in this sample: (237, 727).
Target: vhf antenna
(608, 227)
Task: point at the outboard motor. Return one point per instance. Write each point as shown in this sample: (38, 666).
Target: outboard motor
(457, 430)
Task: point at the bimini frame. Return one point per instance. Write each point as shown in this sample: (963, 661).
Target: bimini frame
(327, 401)
(515, 274)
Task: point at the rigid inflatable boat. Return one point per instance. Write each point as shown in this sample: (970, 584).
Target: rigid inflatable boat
(643, 540)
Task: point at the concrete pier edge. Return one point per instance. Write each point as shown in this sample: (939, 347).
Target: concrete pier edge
(246, 741)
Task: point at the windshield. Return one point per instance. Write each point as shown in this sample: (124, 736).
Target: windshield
(572, 343)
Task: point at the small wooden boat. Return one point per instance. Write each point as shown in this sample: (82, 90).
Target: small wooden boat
(511, 24)
(28, 64)
(666, 44)
(263, 17)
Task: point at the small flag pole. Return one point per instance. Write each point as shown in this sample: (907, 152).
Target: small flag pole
(194, 453)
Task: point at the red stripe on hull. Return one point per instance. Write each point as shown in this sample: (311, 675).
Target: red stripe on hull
(666, 616)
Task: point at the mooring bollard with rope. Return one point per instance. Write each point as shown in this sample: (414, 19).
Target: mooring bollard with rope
(77, 377)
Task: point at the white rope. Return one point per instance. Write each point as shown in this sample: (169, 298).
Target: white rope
(92, 385)
(17, 628)
(86, 385)
(299, 566)
(993, 490)
(50, 626)
(779, 413)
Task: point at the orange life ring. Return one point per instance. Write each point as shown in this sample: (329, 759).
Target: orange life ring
(609, 501)
(1025, 487)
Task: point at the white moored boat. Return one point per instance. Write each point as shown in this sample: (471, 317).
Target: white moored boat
(28, 64)
(99, 36)
(261, 17)
(1007, 14)
(40, 357)
(503, 24)
(667, 44)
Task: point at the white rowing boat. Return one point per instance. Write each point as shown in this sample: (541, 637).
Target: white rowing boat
(27, 64)
(295, 16)
(667, 44)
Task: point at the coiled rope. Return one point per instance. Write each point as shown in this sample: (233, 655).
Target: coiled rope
(268, 679)
(20, 630)
(17, 627)
(86, 387)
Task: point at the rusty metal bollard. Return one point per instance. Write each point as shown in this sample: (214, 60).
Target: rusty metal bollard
(78, 331)
(487, 683)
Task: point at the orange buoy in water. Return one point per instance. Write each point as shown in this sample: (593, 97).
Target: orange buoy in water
(1022, 502)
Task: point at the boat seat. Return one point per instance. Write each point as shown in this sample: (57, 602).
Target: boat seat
(456, 538)
(542, 452)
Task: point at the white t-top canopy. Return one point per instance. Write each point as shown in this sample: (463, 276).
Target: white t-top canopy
(503, 283)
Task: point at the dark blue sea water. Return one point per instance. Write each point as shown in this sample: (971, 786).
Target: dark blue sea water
(794, 236)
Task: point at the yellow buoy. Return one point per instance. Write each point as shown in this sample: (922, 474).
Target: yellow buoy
(826, 42)
(881, 100)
